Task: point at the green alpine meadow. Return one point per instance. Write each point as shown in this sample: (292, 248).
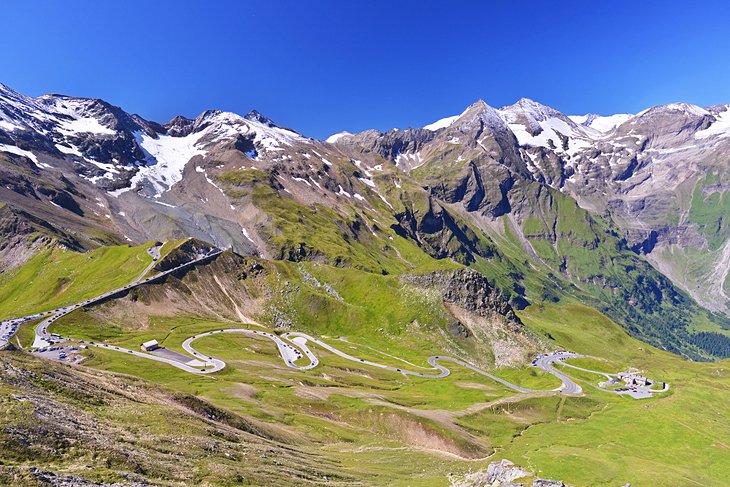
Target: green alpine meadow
(506, 296)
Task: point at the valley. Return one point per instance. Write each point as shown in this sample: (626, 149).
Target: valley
(379, 308)
(465, 419)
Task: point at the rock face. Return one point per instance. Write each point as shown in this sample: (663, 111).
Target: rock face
(46, 477)
(482, 315)
(469, 290)
(472, 291)
(503, 474)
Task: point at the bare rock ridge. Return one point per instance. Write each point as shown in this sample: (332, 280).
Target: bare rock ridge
(467, 289)
(482, 314)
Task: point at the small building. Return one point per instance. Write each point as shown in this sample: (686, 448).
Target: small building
(150, 345)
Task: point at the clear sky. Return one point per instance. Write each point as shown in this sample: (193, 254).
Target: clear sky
(322, 67)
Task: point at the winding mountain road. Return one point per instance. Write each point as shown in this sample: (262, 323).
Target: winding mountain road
(637, 392)
(293, 347)
(44, 339)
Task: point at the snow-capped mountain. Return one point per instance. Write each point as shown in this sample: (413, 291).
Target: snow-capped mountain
(88, 168)
(658, 174)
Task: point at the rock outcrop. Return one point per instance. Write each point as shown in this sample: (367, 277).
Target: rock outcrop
(504, 473)
(482, 315)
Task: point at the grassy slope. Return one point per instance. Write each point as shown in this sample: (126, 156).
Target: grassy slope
(346, 236)
(576, 255)
(580, 257)
(110, 428)
(339, 408)
(677, 440)
(584, 441)
(339, 413)
(57, 277)
(695, 266)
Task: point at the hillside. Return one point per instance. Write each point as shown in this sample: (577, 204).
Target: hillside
(357, 424)
(503, 191)
(243, 304)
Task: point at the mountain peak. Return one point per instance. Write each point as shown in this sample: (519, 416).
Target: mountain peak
(335, 137)
(6, 89)
(256, 116)
(480, 104)
(688, 109)
(478, 108)
(532, 109)
(529, 102)
(601, 123)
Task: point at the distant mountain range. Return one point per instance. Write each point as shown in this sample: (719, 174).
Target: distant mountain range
(629, 213)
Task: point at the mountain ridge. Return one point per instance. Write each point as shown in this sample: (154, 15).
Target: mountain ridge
(492, 188)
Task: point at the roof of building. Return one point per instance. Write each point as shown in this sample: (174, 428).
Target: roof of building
(150, 343)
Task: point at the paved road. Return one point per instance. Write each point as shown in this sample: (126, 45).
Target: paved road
(568, 387)
(637, 392)
(302, 338)
(607, 376)
(154, 252)
(298, 349)
(291, 352)
(44, 339)
(211, 366)
(8, 328)
(545, 362)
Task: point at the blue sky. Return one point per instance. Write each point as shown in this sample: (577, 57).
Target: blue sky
(321, 67)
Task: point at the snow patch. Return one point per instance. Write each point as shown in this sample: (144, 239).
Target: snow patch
(73, 150)
(552, 128)
(302, 181)
(441, 124)
(165, 204)
(687, 108)
(248, 237)
(368, 182)
(109, 168)
(416, 156)
(213, 184)
(5, 125)
(84, 125)
(166, 158)
(323, 159)
(335, 137)
(20, 152)
(599, 123)
(721, 127)
(386, 201)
